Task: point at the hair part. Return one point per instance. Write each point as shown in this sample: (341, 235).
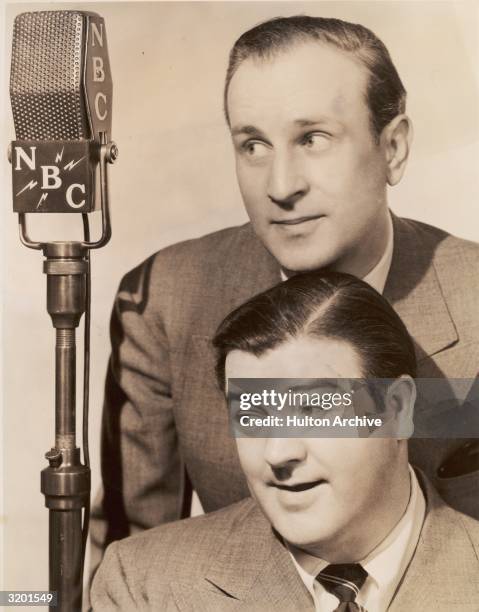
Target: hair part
(385, 93)
(320, 305)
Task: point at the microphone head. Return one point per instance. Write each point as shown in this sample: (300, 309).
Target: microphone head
(46, 74)
(61, 92)
(60, 80)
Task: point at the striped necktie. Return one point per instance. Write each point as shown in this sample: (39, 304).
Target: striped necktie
(344, 582)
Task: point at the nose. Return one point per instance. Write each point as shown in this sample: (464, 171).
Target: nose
(283, 455)
(287, 183)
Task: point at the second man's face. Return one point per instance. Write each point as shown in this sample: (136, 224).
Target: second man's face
(330, 496)
(312, 176)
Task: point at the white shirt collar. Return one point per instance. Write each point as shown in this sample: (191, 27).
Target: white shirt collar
(385, 565)
(378, 275)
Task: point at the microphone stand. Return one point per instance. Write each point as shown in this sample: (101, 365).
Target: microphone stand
(65, 483)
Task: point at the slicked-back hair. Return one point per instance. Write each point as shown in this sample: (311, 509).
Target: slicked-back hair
(320, 304)
(385, 93)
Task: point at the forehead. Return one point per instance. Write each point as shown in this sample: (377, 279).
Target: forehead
(302, 357)
(309, 80)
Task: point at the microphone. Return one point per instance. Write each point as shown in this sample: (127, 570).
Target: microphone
(61, 94)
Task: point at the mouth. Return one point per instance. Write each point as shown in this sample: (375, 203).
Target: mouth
(303, 486)
(297, 220)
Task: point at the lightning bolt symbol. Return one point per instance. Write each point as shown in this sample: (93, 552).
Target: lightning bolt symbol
(59, 156)
(72, 164)
(29, 185)
(42, 199)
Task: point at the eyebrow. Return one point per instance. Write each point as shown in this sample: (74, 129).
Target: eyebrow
(306, 386)
(314, 385)
(308, 122)
(249, 130)
(318, 122)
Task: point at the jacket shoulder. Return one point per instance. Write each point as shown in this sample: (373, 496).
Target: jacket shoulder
(193, 256)
(455, 262)
(447, 247)
(183, 274)
(450, 524)
(193, 284)
(165, 552)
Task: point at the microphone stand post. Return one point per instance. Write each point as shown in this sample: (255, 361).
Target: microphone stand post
(66, 481)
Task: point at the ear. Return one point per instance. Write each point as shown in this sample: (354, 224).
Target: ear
(400, 400)
(396, 140)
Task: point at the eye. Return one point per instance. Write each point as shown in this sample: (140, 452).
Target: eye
(257, 412)
(254, 412)
(316, 141)
(306, 410)
(313, 411)
(254, 149)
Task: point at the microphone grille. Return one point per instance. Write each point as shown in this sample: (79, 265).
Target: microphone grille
(46, 76)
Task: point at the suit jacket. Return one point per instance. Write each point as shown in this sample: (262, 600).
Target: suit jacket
(164, 412)
(231, 560)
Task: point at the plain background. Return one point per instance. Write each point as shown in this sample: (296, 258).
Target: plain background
(175, 179)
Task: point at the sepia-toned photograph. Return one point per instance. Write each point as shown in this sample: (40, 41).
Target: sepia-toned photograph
(240, 332)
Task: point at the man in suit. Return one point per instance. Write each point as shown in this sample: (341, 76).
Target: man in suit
(336, 524)
(313, 164)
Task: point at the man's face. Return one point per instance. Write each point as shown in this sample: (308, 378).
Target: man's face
(328, 496)
(312, 176)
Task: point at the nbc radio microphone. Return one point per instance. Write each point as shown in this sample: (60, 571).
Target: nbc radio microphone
(61, 94)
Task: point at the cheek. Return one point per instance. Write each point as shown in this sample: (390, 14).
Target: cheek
(356, 462)
(370, 171)
(251, 181)
(250, 452)
(371, 468)
(350, 175)
(328, 453)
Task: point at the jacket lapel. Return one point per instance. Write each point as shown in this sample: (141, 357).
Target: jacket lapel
(442, 575)
(414, 290)
(253, 571)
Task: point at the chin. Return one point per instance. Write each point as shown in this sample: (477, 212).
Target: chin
(302, 528)
(302, 536)
(301, 257)
(297, 263)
